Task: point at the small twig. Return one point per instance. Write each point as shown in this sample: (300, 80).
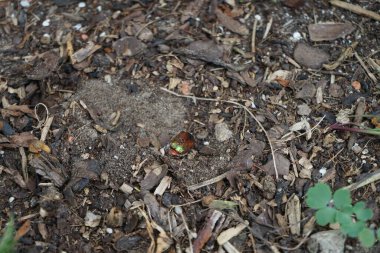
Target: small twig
(293, 62)
(267, 29)
(348, 52)
(373, 177)
(253, 38)
(207, 182)
(356, 9)
(369, 73)
(241, 106)
(24, 166)
(46, 128)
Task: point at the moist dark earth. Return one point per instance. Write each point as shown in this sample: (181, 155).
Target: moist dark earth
(94, 92)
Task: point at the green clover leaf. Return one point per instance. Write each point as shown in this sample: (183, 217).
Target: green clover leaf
(342, 198)
(352, 229)
(367, 237)
(378, 234)
(364, 214)
(325, 216)
(359, 205)
(343, 217)
(318, 196)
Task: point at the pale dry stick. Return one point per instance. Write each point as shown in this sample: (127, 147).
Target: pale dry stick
(253, 38)
(207, 182)
(24, 163)
(239, 105)
(179, 209)
(374, 65)
(267, 29)
(371, 178)
(46, 128)
(293, 62)
(369, 73)
(356, 9)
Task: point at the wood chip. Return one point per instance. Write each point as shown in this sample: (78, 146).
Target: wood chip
(293, 211)
(329, 31)
(228, 234)
(231, 24)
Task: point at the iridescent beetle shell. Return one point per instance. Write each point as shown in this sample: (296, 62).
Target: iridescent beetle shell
(181, 144)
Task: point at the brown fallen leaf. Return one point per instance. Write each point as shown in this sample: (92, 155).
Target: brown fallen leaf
(22, 139)
(17, 178)
(25, 227)
(192, 10)
(206, 232)
(115, 217)
(231, 24)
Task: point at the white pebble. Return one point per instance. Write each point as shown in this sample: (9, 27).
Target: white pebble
(25, 3)
(11, 199)
(46, 22)
(258, 17)
(82, 5)
(296, 37)
(77, 27)
(109, 230)
(323, 171)
(99, 8)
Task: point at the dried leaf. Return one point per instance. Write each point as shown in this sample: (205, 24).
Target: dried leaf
(329, 31)
(25, 227)
(231, 24)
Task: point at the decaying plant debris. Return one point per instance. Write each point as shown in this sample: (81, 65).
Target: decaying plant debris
(185, 126)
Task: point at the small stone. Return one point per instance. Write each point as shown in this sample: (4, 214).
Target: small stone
(269, 187)
(309, 56)
(222, 133)
(307, 91)
(296, 37)
(128, 46)
(46, 23)
(82, 5)
(45, 39)
(109, 230)
(356, 149)
(282, 164)
(303, 110)
(126, 188)
(326, 242)
(335, 90)
(43, 213)
(25, 3)
(92, 220)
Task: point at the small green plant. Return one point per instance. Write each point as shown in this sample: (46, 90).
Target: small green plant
(338, 208)
(8, 242)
